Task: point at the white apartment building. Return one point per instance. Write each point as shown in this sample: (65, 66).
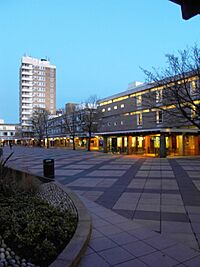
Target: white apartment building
(37, 89)
(8, 132)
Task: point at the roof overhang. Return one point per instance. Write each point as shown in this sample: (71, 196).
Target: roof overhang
(153, 130)
(189, 8)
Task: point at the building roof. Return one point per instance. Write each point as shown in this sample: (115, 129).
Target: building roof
(38, 62)
(189, 8)
(147, 86)
(132, 90)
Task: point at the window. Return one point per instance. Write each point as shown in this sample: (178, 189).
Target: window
(108, 123)
(122, 123)
(115, 107)
(122, 105)
(139, 119)
(194, 85)
(115, 123)
(138, 100)
(159, 116)
(159, 96)
(109, 109)
(193, 113)
(103, 110)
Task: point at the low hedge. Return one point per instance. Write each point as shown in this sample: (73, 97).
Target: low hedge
(34, 229)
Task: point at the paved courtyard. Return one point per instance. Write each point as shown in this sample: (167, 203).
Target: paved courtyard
(161, 194)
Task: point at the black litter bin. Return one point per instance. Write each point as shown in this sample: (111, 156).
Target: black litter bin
(48, 168)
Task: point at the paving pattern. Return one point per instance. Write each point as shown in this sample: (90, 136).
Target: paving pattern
(120, 242)
(160, 194)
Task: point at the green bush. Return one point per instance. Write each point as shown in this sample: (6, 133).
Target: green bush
(34, 229)
(31, 227)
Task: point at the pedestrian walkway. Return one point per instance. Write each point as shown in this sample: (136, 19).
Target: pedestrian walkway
(159, 194)
(118, 241)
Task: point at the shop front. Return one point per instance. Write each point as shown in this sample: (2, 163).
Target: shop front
(67, 142)
(156, 144)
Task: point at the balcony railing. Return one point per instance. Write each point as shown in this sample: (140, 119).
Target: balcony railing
(27, 95)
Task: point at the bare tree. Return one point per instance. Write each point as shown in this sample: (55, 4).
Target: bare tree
(18, 133)
(89, 117)
(178, 87)
(40, 122)
(70, 121)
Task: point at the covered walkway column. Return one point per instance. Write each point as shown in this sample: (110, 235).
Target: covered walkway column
(129, 144)
(163, 151)
(183, 144)
(105, 144)
(122, 150)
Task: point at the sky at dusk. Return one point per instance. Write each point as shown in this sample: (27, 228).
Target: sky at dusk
(98, 46)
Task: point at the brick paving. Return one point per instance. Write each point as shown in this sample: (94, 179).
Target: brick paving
(161, 195)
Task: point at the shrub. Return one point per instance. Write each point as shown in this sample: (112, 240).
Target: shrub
(30, 226)
(34, 229)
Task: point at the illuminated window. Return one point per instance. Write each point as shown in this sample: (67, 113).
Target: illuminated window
(139, 119)
(103, 110)
(105, 103)
(122, 105)
(159, 96)
(194, 85)
(109, 109)
(194, 113)
(159, 116)
(115, 123)
(120, 98)
(138, 100)
(122, 123)
(115, 107)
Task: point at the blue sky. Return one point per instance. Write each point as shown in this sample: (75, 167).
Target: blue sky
(98, 46)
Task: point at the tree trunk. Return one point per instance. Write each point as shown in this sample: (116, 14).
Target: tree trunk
(40, 142)
(47, 142)
(89, 139)
(74, 145)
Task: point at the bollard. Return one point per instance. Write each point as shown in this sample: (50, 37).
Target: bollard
(48, 168)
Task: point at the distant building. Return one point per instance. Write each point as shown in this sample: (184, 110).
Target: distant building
(134, 84)
(37, 90)
(61, 129)
(71, 106)
(59, 111)
(8, 132)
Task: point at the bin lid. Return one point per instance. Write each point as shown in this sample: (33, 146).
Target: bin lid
(48, 160)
